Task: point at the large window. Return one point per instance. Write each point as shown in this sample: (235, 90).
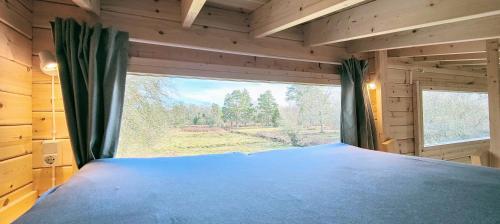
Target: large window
(453, 116)
(170, 116)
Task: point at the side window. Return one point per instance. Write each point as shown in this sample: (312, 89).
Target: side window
(453, 116)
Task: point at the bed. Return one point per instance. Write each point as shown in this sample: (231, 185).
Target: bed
(333, 183)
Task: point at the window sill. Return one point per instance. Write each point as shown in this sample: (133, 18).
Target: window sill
(449, 151)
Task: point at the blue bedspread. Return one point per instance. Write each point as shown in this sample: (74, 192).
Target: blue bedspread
(322, 184)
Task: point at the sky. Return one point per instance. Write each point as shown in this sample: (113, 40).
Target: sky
(202, 91)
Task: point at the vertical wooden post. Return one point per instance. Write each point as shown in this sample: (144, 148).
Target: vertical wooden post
(381, 97)
(494, 101)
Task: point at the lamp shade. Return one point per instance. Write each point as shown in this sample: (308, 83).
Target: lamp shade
(48, 63)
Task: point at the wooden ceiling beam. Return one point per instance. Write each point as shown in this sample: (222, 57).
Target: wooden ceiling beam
(93, 6)
(452, 57)
(469, 30)
(468, 62)
(389, 16)
(278, 15)
(439, 49)
(190, 10)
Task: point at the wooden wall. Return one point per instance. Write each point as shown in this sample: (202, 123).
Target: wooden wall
(16, 180)
(397, 110)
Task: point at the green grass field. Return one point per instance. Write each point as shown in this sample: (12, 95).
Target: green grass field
(182, 142)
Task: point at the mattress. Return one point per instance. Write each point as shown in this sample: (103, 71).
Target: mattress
(333, 183)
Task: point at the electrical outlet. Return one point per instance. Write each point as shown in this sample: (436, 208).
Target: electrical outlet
(50, 153)
(49, 160)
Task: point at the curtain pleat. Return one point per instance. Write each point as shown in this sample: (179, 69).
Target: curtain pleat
(92, 69)
(357, 126)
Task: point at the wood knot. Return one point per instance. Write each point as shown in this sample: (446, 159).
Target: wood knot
(157, 10)
(161, 32)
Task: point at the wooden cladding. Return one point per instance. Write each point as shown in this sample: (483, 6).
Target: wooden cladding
(42, 125)
(14, 77)
(15, 173)
(15, 109)
(15, 141)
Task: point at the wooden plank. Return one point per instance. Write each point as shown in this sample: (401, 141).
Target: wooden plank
(452, 57)
(14, 77)
(93, 6)
(477, 29)
(44, 13)
(15, 17)
(440, 49)
(187, 69)
(42, 125)
(8, 199)
(401, 132)
(190, 10)
(461, 62)
(15, 109)
(400, 118)
(406, 146)
(390, 16)
(398, 76)
(18, 207)
(42, 94)
(245, 6)
(399, 90)
(28, 4)
(19, 7)
(402, 104)
(171, 10)
(382, 103)
(278, 15)
(15, 141)
(14, 46)
(455, 150)
(189, 55)
(42, 177)
(65, 156)
(494, 101)
(15, 173)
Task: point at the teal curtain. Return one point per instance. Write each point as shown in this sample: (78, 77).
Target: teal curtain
(92, 69)
(357, 126)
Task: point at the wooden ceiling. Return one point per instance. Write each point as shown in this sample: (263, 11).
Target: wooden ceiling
(307, 30)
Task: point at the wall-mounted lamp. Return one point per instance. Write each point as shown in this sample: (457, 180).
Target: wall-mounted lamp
(372, 85)
(50, 148)
(48, 63)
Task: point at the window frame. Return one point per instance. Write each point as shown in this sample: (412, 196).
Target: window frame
(420, 148)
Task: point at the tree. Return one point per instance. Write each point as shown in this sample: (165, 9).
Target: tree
(145, 109)
(215, 116)
(238, 108)
(267, 109)
(314, 105)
